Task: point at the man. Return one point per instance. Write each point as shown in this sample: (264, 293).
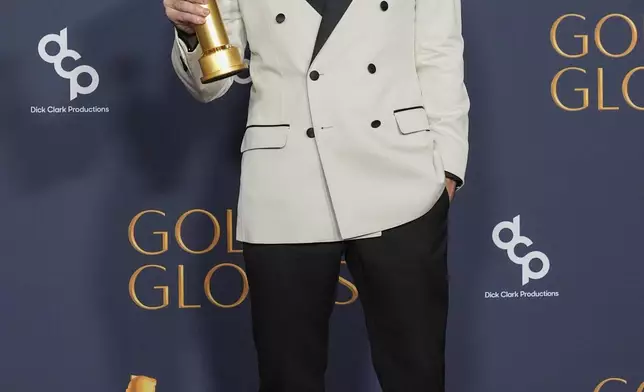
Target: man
(355, 143)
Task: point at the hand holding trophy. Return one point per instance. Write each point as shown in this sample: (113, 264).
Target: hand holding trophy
(220, 59)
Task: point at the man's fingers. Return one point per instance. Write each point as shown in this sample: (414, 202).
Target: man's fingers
(171, 3)
(184, 17)
(190, 8)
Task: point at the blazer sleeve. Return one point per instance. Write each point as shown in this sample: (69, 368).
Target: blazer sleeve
(439, 64)
(186, 63)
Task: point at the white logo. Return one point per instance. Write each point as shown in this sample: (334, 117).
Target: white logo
(517, 238)
(74, 87)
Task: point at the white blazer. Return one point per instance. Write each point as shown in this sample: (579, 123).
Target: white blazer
(357, 110)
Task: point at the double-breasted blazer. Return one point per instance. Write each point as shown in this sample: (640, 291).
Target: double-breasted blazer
(357, 110)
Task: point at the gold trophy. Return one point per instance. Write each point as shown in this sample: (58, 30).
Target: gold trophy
(220, 59)
(141, 384)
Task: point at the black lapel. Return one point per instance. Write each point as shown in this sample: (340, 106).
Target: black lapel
(331, 15)
(317, 5)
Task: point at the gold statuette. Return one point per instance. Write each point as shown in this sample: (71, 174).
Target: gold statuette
(220, 59)
(141, 384)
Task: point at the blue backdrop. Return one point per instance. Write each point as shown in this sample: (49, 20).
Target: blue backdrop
(105, 159)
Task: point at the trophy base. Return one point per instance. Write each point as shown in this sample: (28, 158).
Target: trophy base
(221, 63)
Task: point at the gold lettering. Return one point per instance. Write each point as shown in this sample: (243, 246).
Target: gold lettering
(625, 90)
(135, 298)
(351, 287)
(132, 237)
(598, 35)
(179, 225)
(230, 232)
(641, 388)
(207, 285)
(555, 43)
(600, 92)
(606, 381)
(555, 95)
(182, 291)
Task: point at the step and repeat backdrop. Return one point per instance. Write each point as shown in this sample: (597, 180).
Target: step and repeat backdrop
(118, 203)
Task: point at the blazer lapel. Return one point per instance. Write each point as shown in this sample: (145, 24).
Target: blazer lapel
(332, 12)
(317, 5)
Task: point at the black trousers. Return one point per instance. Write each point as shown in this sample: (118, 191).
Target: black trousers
(403, 286)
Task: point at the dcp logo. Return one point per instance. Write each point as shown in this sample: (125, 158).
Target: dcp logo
(510, 246)
(74, 87)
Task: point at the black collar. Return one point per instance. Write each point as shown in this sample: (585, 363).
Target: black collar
(331, 11)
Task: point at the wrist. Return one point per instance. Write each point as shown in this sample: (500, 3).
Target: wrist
(454, 178)
(188, 38)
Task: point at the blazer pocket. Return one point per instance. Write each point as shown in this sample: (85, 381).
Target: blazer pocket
(411, 120)
(264, 136)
